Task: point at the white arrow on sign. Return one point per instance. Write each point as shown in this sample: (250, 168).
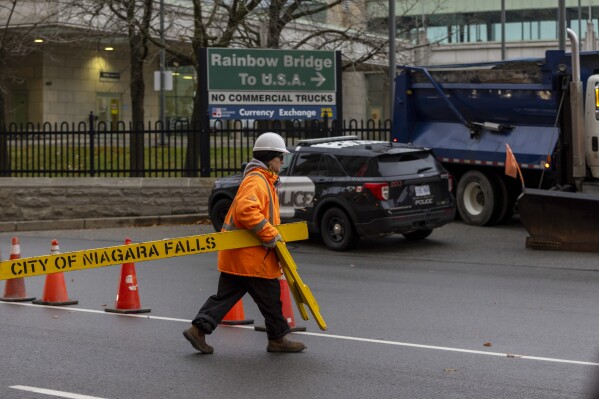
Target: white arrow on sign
(320, 79)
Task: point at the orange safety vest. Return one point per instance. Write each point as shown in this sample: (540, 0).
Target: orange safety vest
(255, 208)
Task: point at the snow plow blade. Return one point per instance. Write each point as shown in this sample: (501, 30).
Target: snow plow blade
(560, 220)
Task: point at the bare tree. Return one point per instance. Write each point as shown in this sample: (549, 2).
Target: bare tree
(133, 19)
(237, 23)
(217, 26)
(17, 42)
(137, 15)
(296, 24)
(4, 154)
(356, 28)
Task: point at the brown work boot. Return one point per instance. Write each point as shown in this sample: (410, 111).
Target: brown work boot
(284, 345)
(197, 339)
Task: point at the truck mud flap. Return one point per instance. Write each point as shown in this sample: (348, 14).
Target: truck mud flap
(560, 220)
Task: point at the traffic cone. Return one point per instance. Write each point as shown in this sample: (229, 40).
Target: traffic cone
(55, 288)
(127, 297)
(235, 316)
(14, 291)
(287, 308)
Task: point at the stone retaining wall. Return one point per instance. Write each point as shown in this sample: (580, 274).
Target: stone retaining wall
(95, 202)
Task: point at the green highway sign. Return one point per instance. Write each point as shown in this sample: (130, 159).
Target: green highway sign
(271, 70)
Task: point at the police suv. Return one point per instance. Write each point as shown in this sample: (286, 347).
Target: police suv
(344, 188)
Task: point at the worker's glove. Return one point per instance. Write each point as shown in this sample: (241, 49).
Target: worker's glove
(272, 243)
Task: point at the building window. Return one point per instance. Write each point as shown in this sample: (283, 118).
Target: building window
(521, 25)
(179, 101)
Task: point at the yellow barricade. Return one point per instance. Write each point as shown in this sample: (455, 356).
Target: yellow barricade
(141, 252)
(300, 291)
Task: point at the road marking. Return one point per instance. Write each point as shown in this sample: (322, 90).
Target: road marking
(341, 337)
(444, 348)
(52, 392)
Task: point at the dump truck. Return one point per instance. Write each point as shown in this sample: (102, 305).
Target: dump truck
(545, 109)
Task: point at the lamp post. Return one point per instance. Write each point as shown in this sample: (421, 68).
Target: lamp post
(392, 61)
(503, 53)
(561, 24)
(162, 62)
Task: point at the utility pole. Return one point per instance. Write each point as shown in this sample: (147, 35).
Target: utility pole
(392, 60)
(503, 53)
(580, 24)
(162, 65)
(561, 24)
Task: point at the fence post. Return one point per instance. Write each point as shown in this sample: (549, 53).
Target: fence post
(4, 152)
(325, 124)
(92, 169)
(205, 152)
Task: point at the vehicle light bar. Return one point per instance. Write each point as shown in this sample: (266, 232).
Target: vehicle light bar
(326, 140)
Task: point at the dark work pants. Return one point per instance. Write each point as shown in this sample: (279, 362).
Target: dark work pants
(231, 288)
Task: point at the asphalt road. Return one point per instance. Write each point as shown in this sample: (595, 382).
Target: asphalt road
(467, 313)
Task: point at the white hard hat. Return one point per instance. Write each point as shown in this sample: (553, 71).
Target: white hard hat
(270, 142)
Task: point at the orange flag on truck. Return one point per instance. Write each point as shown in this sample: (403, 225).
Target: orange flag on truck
(511, 165)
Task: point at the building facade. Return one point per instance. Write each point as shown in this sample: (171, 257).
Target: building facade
(462, 31)
(65, 77)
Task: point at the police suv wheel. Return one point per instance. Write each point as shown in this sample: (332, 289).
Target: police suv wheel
(218, 213)
(337, 231)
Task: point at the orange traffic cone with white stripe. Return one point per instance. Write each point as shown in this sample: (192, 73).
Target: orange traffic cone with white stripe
(14, 291)
(287, 308)
(127, 297)
(235, 316)
(287, 305)
(55, 288)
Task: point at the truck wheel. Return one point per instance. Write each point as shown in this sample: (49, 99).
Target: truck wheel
(478, 199)
(417, 234)
(337, 231)
(218, 212)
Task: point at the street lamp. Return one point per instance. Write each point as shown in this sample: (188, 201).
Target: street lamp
(162, 62)
(392, 61)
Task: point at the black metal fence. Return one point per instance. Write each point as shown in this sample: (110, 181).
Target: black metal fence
(178, 149)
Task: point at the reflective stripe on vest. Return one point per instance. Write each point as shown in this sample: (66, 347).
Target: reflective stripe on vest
(231, 226)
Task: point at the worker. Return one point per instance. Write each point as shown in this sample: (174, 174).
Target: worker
(253, 270)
